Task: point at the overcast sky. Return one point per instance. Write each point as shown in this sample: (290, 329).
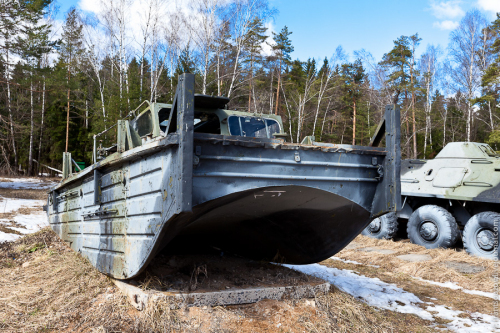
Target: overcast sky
(319, 26)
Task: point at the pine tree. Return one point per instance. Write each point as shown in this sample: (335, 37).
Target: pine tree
(353, 76)
(253, 47)
(31, 44)
(282, 48)
(71, 51)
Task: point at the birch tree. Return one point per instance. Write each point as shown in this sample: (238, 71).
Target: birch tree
(204, 23)
(428, 66)
(243, 13)
(465, 50)
(325, 76)
(31, 43)
(94, 42)
(114, 17)
(10, 15)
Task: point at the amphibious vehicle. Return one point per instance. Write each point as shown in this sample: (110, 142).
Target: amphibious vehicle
(193, 173)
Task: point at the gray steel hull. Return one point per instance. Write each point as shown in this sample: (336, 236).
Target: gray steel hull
(257, 197)
(299, 210)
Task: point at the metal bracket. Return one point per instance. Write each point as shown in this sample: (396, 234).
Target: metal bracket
(97, 187)
(100, 212)
(297, 156)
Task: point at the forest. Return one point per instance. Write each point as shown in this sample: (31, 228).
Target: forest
(60, 85)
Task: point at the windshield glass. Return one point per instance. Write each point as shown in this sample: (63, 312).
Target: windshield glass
(489, 151)
(253, 127)
(144, 124)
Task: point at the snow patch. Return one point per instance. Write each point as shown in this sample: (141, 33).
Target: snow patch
(454, 286)
(352, 262)
(388, 296)
(23, 223)
(26, 183)
(8, 205)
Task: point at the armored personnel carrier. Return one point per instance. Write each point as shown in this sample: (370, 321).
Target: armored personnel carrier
(455, 194)
(194, 174)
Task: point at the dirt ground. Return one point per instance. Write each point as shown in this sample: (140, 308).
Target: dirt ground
(202, 273)
(47, 287)
(436, 269)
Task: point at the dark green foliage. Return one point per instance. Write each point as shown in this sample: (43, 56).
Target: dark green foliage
(336, 100)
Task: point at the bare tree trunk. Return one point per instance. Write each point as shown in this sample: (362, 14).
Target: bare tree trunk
(271, 95)
(444, 126)
(67, 125)
(32, 116)
(278, 91)
(354, 122)
(235, 67)
(250, 85)
(289, 117)
(491, 115)
(86, 113)
(142, 77)
(469, 115)
(41, 123)
(218, 76)
(322, 89)
(324, 118)
(7, 75)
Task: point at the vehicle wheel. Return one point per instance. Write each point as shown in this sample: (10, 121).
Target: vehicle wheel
(479, 235)
(385, 227)
(432, 226)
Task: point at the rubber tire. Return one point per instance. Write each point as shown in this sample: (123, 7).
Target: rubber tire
(481, 220)
(448, 232)
(388, 227)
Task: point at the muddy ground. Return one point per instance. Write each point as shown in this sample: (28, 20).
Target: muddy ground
(47, 287)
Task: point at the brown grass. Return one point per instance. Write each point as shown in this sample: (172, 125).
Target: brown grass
(23, 194)
(334, 312)
(56, 290)
(434, 269)
(59, 291)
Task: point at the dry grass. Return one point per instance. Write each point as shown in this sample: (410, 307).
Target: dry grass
(334, 312)
(59, 291)
(45, 286)
(23, 194)
(434, 269)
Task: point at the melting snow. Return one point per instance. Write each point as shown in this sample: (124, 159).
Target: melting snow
(24, 223)
(352, 262)
(454, 286)
(8, 205)
(26, 183)
(388, 296)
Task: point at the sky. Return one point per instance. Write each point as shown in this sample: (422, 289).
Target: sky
(319, 26)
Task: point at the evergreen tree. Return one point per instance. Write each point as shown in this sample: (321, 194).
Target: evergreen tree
(253, 47)
(282, 48)
(71, 51)
(32, 43)
(353, 76)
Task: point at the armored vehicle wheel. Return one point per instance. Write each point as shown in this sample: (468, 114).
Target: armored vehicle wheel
(432, 226)
(385, 226)
(479, 235)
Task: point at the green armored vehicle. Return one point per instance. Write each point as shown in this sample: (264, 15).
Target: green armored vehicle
(456, 193)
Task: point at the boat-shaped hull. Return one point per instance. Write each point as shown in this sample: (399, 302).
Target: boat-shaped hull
(260, 198)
